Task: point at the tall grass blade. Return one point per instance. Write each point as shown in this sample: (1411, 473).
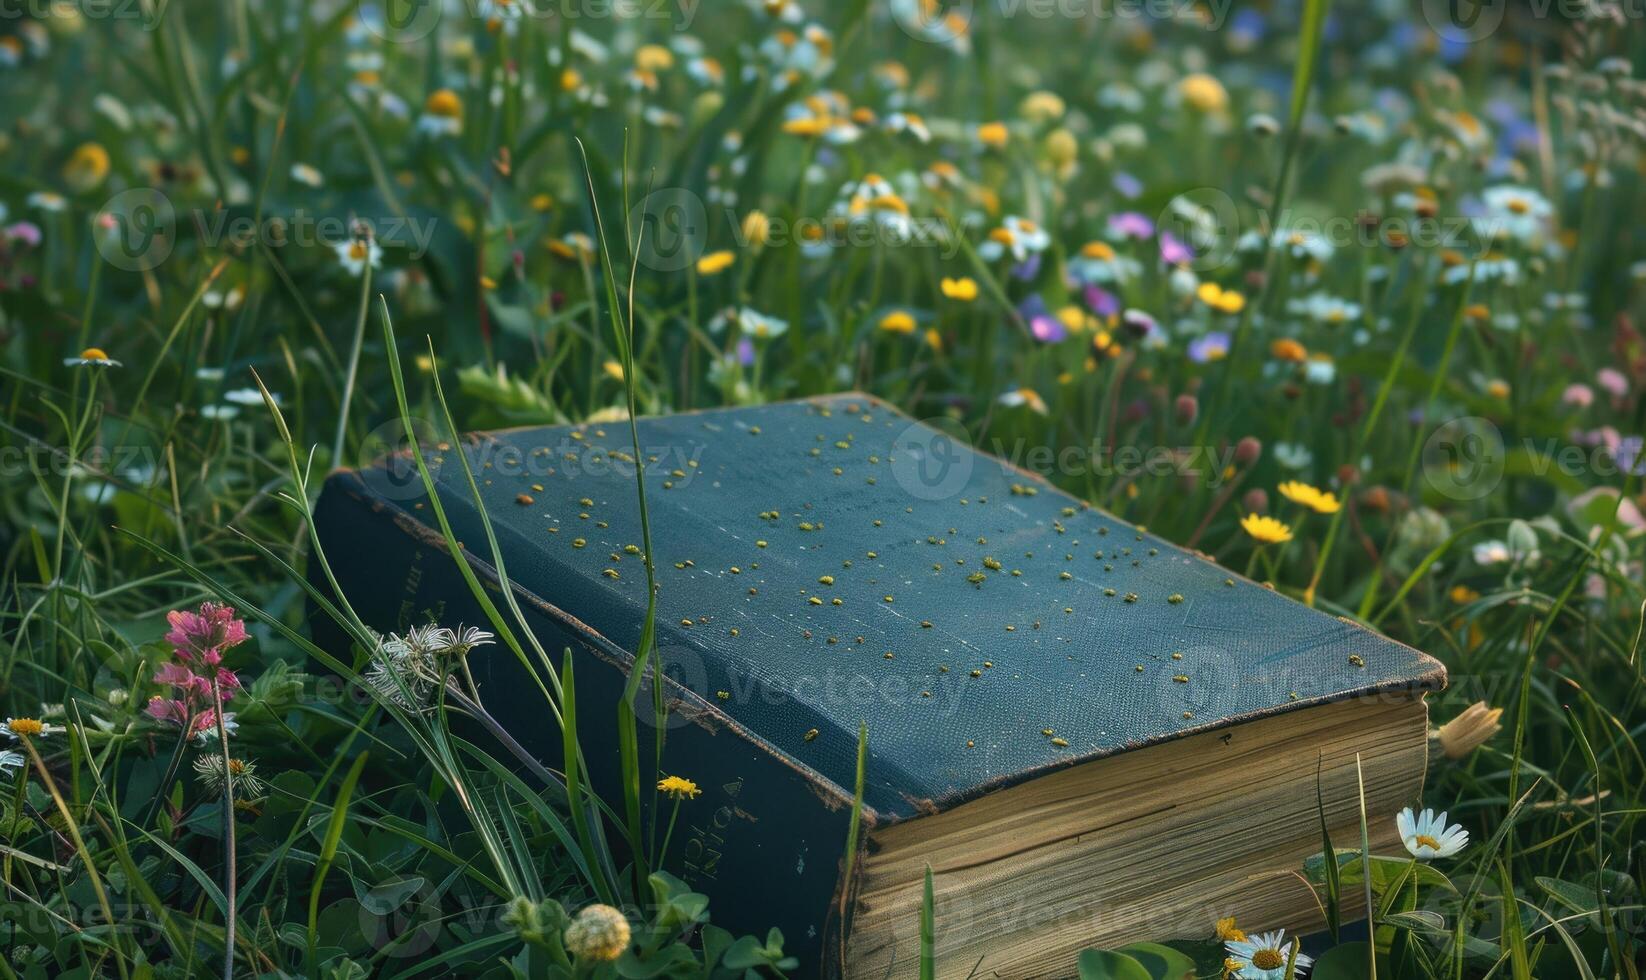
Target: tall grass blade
(328, 854)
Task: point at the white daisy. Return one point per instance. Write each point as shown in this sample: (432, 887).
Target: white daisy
(874, 200)
(1496, 269)
(10, 761)
(1293, 455)
(304, 173)
(357, 254)
(1325, 309)
(91, 357)
(1302, 244)
(1517, 212)
(1023, 397)
(1263, 956)
(908, 122)
(1098, 263)
(1427, 836)
(28, 727)
(248, 396)
(47, 201)
(753, 323)
(1018, 236)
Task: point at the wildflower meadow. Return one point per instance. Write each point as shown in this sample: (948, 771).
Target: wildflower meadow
(1347, 296)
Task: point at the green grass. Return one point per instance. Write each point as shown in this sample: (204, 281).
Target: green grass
(536, 267)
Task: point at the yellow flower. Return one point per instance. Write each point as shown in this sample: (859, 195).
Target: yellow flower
(613, 370)
(599, 934)
(1203, 93)
(807, 126)
(653, 58)
(1319, 501)
(91, 357)
(934, 340)
(1227, 931)
(1061, 147)
(1266, 529)
(715, 262)
(1463, 595)
(87, 167)
(963, 289)
(1220, 299)
(1042, 107)
(993, 134)
(757, 228)
(444, 103)
(541, 202)
(1075, 318)
(570, 80)
(19, 727)
(1497, 388)
(897, 321)
(1286, 349)
(679, 787)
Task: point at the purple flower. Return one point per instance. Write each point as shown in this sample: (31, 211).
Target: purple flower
(1131, 224)
(1046, 328)
(1126, 185)
(1028, 268)
(745, 351)
(1173, 251)
(1101, 301)
(1248, 27)
(26, 232)
(1212, 347)
(1144, 327)
(1628, 454)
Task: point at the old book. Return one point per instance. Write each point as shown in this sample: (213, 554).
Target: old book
(1090, 735)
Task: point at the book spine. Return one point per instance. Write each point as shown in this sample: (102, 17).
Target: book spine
(764, 840)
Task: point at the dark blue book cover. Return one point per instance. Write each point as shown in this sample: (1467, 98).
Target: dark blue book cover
(824, 564)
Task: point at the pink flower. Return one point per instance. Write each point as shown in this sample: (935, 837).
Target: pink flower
(26, 232)
(168, 710)
(177, 675)
(1613, 381)
(199, 640)
(1578, 396)
(206, 634)
(206, 721)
